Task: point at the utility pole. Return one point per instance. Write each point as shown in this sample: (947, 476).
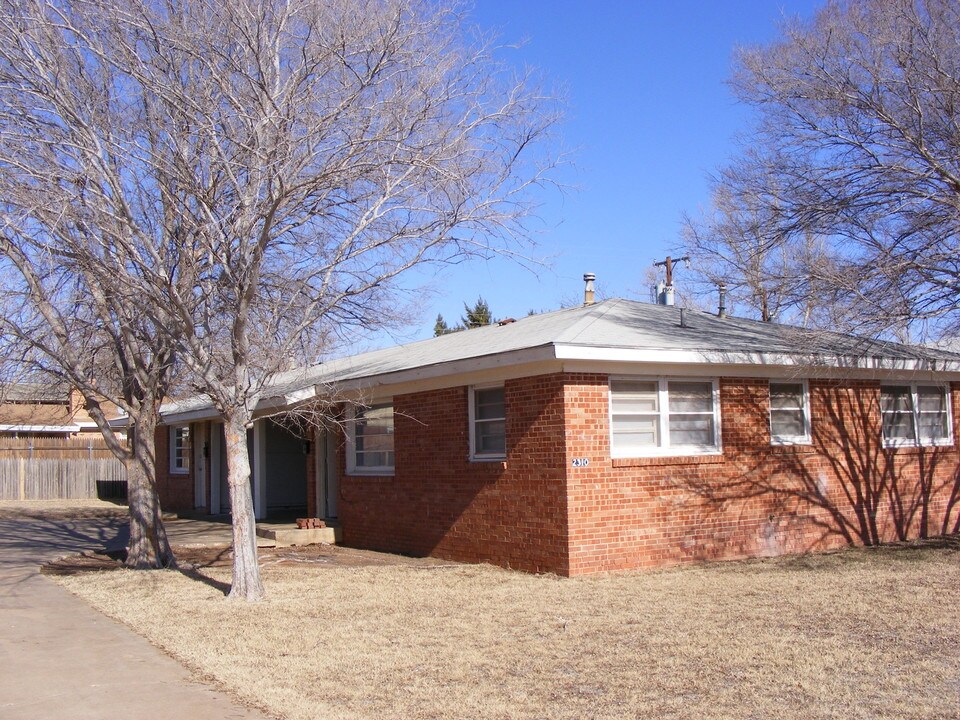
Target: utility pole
(665, 293)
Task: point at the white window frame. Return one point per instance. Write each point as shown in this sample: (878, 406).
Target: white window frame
(353, 414)
(917, 441)
(806, 438)
(665, 449)
(179, 450)
(472, 410)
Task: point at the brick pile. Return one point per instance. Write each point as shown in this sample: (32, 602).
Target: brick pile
(310, 523)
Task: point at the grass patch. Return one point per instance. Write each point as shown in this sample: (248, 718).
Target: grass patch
(857, 634)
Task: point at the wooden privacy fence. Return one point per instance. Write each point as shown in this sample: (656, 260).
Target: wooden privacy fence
(86, 446)
(62, 479)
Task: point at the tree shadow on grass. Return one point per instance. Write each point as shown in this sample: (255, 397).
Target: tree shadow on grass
(191, 568)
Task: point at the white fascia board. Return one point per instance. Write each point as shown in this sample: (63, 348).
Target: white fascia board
(188, 416)
(434, 376)
(649, 356)
(40, 428)
(271, 405)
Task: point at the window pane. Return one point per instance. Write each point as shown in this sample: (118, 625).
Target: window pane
(625, 442)
(373, 436)
(489, 404)
(787, 423)
(932, 407)
(634, 397)
(491, 437)
(636, 430)
(786, 395)
(933, 427)
(691, 429)
(931, 399)
(898, 426)
(375, 443)
(489, 422)
(895, 399)
(181, 442)
(690, 397)
(896, 407)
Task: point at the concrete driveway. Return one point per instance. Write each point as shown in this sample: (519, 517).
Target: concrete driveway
(62, 659)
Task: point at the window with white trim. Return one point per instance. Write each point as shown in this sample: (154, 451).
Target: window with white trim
(180, 449)
(915, 414)
(488, 423)
(789, 413)
(663, 416)
(370, 433)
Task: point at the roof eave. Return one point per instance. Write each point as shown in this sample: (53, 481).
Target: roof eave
(757, 359)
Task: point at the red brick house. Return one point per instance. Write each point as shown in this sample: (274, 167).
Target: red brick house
(610, 436)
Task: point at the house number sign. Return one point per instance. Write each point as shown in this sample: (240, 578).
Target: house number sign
(580, 462)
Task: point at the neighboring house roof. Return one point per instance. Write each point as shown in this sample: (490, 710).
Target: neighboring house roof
(44, 408)
(31, 392)
(615, 330)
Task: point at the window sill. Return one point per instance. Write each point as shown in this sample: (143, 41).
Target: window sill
(804, 439)
(498, 463)
(371, 473)
(914, 448)
(711, 459)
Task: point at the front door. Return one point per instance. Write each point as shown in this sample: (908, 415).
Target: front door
(328, 480)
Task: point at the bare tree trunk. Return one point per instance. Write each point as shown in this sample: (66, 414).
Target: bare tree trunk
(246, 583)
(148, 546)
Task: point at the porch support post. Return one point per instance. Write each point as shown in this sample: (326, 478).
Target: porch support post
(200, 432)
(216, 469)
(260, 469)
(320, 472)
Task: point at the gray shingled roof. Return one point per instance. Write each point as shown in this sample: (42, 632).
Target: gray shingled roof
(615, 323)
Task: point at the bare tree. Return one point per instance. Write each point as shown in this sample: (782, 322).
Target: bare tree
(300, 156)
(69, 327)
(82, 237)
(857, 147)
(775, 273)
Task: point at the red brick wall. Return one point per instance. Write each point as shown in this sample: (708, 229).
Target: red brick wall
(175, 489)
(755, 499)
(510, 513)
(537, 512)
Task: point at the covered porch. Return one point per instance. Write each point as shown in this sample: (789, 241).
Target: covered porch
(292, 476)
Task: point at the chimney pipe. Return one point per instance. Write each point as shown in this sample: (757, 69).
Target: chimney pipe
(588, 279)
(722, 309)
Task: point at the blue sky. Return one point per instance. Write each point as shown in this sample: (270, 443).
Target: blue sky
(648, 117)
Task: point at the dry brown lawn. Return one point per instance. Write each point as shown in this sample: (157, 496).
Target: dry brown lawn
(857, 634)
(60, 509)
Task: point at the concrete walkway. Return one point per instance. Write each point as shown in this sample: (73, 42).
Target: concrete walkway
(62, 659)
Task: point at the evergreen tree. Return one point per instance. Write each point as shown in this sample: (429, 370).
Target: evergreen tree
(440, 327)
(478, 315)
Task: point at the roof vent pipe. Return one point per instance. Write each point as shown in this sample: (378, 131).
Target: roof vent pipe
(722, 309)
(588, 279)
(683, 318)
